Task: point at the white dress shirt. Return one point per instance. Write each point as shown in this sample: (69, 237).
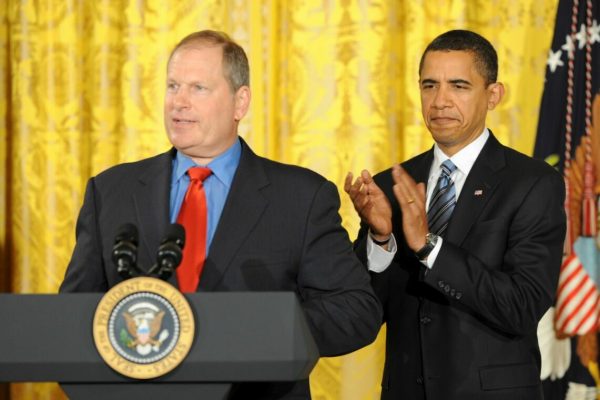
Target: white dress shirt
(378, 258)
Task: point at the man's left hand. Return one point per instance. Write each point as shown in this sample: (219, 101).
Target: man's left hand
(411, 197)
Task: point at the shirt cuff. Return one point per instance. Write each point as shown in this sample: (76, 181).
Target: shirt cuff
(378, 259)
(430, 260)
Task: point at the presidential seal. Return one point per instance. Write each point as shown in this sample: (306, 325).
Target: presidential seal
(143, 328)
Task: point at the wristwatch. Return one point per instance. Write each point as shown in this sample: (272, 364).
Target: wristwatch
(430, 241)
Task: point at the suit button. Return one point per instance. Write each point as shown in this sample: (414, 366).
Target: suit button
(425, 320)
(447, 288)
(441, 284)
(420, 380)
(452, 292)
(458, 295)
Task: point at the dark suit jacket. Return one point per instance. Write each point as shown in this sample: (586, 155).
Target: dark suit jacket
(279, 231)
(466, 329)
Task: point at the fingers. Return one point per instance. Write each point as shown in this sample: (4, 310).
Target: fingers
(400, 175)
(404, 197)
(356, 191)
(407, 192)
(360, 191)
(366, 177)
(422, 190)
(363, 183)
(411, 198)
(370, 202)
(348, 182)
(353, 189)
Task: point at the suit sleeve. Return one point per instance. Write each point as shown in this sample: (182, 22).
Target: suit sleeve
(341, 308)
(380, 281)
(85, 272)
(513, 296)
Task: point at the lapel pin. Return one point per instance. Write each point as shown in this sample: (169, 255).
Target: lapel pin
(478, 192)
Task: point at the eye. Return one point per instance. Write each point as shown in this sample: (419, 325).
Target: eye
(461, 85)
(172, 86)
(199, 88)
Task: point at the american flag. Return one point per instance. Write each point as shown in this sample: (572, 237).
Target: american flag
(568, 137)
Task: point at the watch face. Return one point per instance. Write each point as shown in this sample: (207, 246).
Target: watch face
(430, 241)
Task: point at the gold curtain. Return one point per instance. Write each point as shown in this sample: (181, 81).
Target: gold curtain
(334, 89)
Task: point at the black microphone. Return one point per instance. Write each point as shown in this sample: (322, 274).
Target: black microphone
(169, 252)
(124, 253)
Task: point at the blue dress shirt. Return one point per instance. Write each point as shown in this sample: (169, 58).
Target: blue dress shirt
(216, 186)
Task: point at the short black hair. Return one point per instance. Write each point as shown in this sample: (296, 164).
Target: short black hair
(486, 59)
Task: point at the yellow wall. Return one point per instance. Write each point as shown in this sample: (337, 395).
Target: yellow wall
(334, 89)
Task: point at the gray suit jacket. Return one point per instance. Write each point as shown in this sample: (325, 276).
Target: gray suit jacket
(280, 230)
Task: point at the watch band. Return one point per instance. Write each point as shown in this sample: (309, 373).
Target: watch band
(430, 242)
(380, 242)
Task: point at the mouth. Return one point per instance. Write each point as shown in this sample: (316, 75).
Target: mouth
(182, 121)
(443, 120)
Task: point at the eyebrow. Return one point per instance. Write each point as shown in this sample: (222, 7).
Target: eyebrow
(460, 82)
(424, 81)
(452, 81)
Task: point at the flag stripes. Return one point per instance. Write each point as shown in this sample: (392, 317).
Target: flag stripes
(578, 303)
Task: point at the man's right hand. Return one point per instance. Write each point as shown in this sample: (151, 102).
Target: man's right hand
(371, 203)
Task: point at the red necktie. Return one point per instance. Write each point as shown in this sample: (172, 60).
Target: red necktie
(193, 218)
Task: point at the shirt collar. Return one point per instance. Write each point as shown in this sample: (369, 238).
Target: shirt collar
(223, 166)
(465, 158)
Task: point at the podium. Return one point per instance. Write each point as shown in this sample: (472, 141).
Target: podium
(240, 337)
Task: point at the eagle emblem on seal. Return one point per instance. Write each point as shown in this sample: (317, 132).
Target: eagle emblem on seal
(143, 322)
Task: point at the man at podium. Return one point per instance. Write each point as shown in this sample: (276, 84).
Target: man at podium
(251, 224)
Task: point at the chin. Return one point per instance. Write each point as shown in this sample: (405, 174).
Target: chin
(181, 136)
(180, 143)
(439, 131)
(447, 136)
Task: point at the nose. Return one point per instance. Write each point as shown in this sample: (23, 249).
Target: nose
(441, 98)
(181, 98)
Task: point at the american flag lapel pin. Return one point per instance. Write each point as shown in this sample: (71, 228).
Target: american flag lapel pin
(478, 192)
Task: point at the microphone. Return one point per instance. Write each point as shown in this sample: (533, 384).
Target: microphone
(169, 252)
(124, 253)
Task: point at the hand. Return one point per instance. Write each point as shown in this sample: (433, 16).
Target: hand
(411, 197)
(371, 203)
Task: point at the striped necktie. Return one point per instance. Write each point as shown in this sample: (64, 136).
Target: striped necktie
(443, 200)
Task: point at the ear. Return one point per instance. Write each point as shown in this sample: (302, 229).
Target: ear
(496, 93)
(242, 102)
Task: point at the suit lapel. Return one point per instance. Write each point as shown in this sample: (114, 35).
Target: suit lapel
(243, 208)
(479, 187)
(151, 201)
(419, 167)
